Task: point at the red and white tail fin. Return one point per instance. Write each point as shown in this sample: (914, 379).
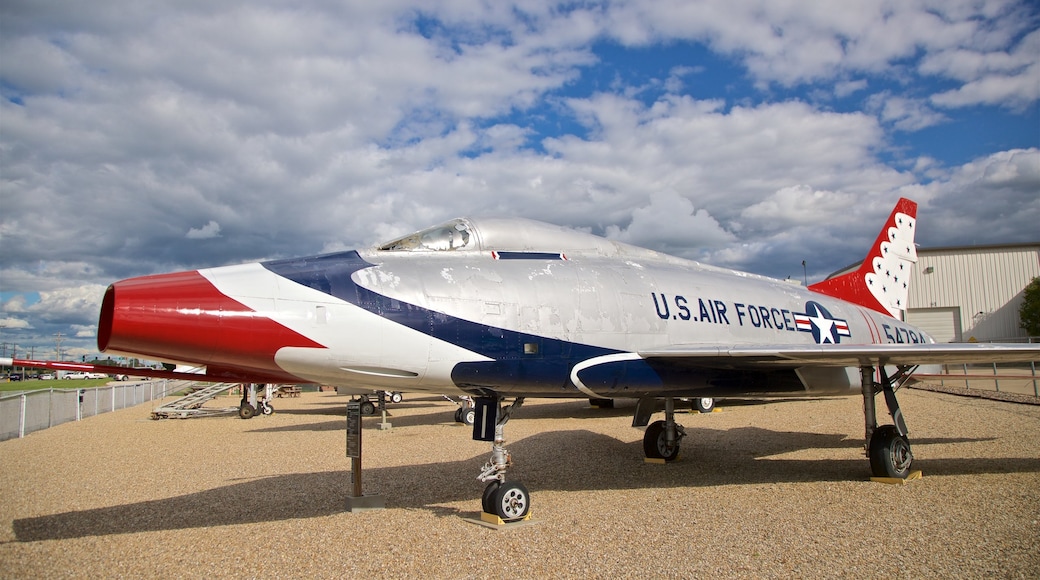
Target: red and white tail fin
(882, 281)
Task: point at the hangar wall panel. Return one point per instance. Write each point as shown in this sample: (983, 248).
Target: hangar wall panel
(986, 283)
(942, 324)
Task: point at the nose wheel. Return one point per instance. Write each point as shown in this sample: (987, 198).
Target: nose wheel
(510, 501)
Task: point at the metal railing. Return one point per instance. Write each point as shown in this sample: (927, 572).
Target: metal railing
(1016, 378)
(29, 411)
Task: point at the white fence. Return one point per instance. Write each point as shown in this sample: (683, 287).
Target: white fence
(29, 411)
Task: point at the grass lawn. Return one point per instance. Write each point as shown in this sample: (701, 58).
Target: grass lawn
(36, 384)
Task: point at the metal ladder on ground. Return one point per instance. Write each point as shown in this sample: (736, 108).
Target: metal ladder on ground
(190, 405)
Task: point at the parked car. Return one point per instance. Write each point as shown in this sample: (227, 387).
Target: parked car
(76, 375)
(47, 377)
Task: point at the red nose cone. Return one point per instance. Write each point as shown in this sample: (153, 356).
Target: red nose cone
(183, 317)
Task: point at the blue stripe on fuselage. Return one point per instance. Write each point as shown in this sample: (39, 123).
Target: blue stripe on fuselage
(545, 369)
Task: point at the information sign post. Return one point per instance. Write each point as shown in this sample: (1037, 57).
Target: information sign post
(357, 501)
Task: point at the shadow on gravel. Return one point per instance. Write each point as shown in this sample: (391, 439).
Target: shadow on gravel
(547, 461)
(439, 412)
(443, 415)
(339, 408)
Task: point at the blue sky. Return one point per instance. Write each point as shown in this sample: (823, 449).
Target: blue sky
(138, 138)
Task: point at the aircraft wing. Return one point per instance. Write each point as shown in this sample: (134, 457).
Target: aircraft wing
(113, 370)
(841, 355)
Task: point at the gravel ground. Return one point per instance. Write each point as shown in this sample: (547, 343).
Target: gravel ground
(762, 490)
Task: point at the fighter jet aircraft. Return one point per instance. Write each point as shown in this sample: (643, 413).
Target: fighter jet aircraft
(503, 309)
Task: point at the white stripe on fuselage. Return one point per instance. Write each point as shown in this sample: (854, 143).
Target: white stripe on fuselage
(354, 337)
(609, 358)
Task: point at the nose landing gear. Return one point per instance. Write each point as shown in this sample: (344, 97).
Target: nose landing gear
(508, 500)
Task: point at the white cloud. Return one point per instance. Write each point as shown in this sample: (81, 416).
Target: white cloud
(14, 323)
(1014, 91)
(75, 303)
(206, 232)
(283, 131)
(798, 205)
(672, 224)
(846, 88)
(995, 77)
(903, 113)
(990, 200)
(792, 43)
(83, 331)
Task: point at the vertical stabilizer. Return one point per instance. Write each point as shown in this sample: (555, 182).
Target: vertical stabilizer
(882, 281)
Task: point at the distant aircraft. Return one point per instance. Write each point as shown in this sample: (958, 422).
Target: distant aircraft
(503, 309)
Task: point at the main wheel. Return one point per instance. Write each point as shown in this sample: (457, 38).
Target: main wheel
(458, 415)
(704, 404)
(890, 454)
(512, 501)
(487, 501)
(654, 444)
(469, 416)
(246, 411)
(367, 408)
(396, 397)
(267, 409)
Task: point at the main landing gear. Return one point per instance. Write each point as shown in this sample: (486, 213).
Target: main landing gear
(887, 446)
(369, 407)
(661, 439)
(466, 413)
(252, 403)
(509, 500)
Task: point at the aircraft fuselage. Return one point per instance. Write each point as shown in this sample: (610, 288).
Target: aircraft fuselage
(544, 320)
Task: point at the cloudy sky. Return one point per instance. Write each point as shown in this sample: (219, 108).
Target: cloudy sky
(140, 137)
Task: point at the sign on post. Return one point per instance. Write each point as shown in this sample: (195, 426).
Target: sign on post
(354, 429)
(357, 501)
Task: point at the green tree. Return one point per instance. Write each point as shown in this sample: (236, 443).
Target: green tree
(1029, 312)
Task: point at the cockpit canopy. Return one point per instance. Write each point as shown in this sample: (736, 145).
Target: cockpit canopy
(449, 236)
(510, 235)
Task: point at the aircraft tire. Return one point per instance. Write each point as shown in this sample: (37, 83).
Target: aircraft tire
(704, 404)
(396, 397)
(267, 409)
(512, 501)
(487, 501)
(469, 416)
(458, 415)
(367, 408)
(890, 454)
(246, 411)
(653, 443)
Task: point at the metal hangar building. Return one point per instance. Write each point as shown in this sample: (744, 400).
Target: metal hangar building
(970, 293)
